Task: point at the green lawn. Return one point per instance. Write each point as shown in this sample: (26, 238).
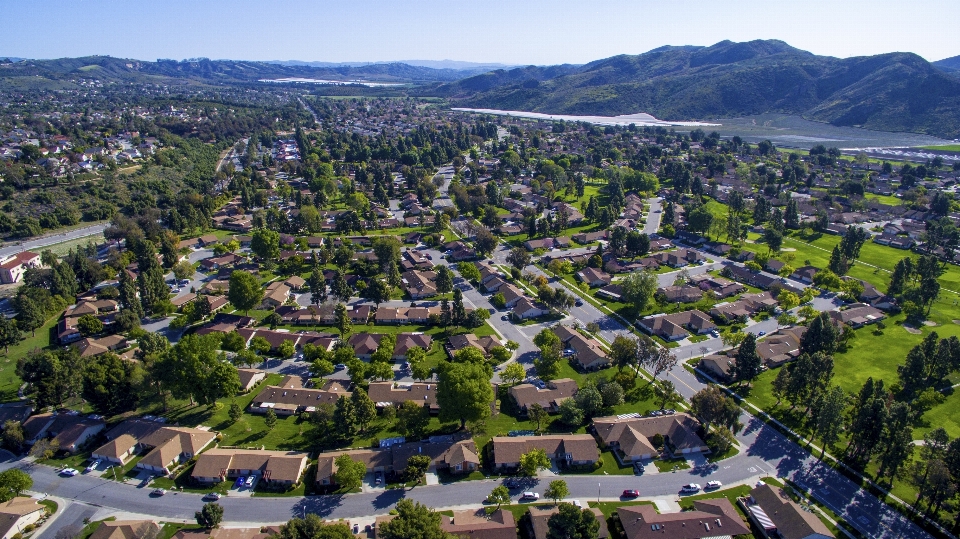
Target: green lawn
(670, 465)
(9, 381)
(945, 147)
(170, 529)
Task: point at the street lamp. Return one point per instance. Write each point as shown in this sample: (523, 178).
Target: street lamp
(598, 492)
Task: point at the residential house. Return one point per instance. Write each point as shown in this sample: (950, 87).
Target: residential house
(611, 291)
(587, 352)
(455, 343)
(673, 327)
(549, 395)
(406, 341)
(18, 513)
(419, 284)
(771, 510)
(279, 468)
(15, 411)
(290, 397)
(511, 295)
(13, 267)
(713, 518)
(91, 347)
(563, 449)
(745, 307)
(526, 309)
(858, 315)
(386, 394)
(70, 430)
(168, 446)
(125, 529)
(805, 274)
(717, 286)
(678, 258)
(585, 238)
(719, 367)
(477, 524)
(594, 277)
(540, 518)
(631, 438)
(454, 454)
(365, 344)
(249, 378)
(680, 294)
(757, 279)
(276, 294)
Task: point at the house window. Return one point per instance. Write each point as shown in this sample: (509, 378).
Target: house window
(457, 467)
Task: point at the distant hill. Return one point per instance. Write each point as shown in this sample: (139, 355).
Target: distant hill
(465, 68)
(951, 64)
(892, 92)
(220, 71)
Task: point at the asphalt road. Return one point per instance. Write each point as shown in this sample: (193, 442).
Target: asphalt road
(46, 241)
(763, 452)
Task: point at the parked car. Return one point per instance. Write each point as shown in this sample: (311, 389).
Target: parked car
(93, 466)
(250, 480)
(339, 367)
(213, 496)
(692, 487)
(378, 477)
(511, 482)
(630, 493)
(530, 496)
(240, 481)
(69, 472)
(158, 492)
(505, 317)
(578, 303)
(761, 333)
(714, 484)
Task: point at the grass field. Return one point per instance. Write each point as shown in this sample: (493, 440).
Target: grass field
(945, 147)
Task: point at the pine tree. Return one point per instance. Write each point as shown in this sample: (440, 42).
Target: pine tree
(365, 410)
(748, 363)
(459, 314)
(344, 418)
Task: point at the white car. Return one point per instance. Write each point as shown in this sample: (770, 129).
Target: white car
(250, 480)
(692, 487)
(69, 472)
(93, 466)
(714, 484)
(530, 496)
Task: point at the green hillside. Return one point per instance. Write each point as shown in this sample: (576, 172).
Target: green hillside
(892, 92)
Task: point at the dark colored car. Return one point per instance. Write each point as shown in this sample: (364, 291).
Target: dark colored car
(630, 493)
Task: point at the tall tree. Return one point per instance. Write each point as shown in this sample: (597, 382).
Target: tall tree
(342, 320)
(748, 364)
(349, 474)
(364, 409)
(829, 422)
(571, 522)
(464, 392)
(413, 521)
(245, 291)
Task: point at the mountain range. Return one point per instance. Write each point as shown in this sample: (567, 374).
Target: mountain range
(891, 92)
(896, 91)
(205, 70)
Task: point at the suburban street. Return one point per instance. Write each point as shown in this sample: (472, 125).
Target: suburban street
(764, 451)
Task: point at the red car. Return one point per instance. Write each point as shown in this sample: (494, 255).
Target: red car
(629, 493)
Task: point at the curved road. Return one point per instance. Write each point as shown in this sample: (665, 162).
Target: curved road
(763, 452)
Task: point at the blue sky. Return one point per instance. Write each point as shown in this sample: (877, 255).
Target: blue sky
(513, 32)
